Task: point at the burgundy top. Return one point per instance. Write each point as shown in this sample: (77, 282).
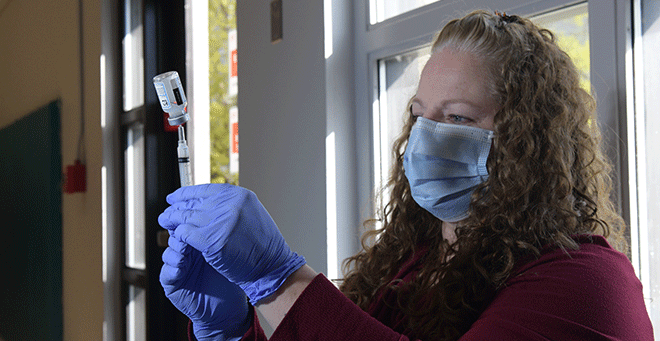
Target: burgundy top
(593, 294)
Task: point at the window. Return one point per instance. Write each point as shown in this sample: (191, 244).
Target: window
(643, 141)
(398, 77)
(140, 168)
(134, 167)
(136, 316)
(223, 91)
(133, 58)
(571, 28)
(134, 190)
(211, 40)
(381, 10)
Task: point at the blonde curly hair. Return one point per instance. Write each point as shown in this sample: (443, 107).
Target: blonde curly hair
(548, 181)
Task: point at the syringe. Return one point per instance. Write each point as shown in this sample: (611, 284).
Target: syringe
(185, 174)
(173, 101)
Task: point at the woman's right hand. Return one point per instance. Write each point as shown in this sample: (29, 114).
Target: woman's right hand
(235, 234)
(218, 308)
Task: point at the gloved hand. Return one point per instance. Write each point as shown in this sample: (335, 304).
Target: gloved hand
(235, 234)
(217, 308)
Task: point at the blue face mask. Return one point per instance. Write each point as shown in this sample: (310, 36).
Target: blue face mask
(444, 163)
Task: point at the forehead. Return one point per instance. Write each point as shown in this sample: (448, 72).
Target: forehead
(452, 59)
(453, 75)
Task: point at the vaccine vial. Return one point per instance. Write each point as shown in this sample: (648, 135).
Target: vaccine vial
(171, 97)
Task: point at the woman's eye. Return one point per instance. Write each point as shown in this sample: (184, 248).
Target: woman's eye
(458, 119)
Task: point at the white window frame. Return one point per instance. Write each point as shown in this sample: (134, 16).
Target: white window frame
(197, 78)
(639, 70)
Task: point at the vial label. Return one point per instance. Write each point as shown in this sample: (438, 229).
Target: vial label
(177, 90)
(177, 96)
(162, 95)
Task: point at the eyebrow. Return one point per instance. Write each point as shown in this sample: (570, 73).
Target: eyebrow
(444, 103)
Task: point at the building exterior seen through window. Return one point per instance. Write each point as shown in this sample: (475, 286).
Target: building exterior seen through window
(223, 91)
(571, 29)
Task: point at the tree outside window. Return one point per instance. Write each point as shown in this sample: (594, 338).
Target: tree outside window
(222, 20)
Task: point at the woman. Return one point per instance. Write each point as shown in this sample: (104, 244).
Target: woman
(496, 227)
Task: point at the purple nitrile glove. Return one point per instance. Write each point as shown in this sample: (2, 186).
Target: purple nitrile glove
(217, 308)
(235, 234)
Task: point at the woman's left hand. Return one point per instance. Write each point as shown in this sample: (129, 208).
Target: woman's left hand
(235, 234)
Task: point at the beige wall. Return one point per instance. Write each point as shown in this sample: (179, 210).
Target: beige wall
(39, 62)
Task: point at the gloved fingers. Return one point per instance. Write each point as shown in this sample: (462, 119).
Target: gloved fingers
(218, 202)
(198, 191)
(165, 222)
(200, 239)
(172, 217)
(173, 258)
(178, 246)
(170, 277)
(164, 219)
(187, 205)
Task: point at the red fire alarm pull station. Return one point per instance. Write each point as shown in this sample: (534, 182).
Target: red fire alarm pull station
(75, 178)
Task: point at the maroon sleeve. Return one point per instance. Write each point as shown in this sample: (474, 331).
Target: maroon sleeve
(322, 312)
(593, 294)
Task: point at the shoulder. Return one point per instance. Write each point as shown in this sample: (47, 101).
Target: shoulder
(595, 263)
(590, 293)
(586, 274)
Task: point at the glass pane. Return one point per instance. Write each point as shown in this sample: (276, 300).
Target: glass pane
(381, 10)
(133, 59)
(647, 85)
(223, 89)
(398, 77)
(134, 169)
(136, 316)
(571, 28)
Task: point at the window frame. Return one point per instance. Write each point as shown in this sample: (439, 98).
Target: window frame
(641, 69)
(163, 50)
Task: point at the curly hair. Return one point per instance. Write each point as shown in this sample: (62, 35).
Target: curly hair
(548, 181)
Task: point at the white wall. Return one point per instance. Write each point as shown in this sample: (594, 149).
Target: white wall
(283, 120)
(39, 62)
(341, 123)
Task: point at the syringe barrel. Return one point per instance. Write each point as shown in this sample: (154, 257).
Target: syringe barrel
(185, 174)
(183, 154)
